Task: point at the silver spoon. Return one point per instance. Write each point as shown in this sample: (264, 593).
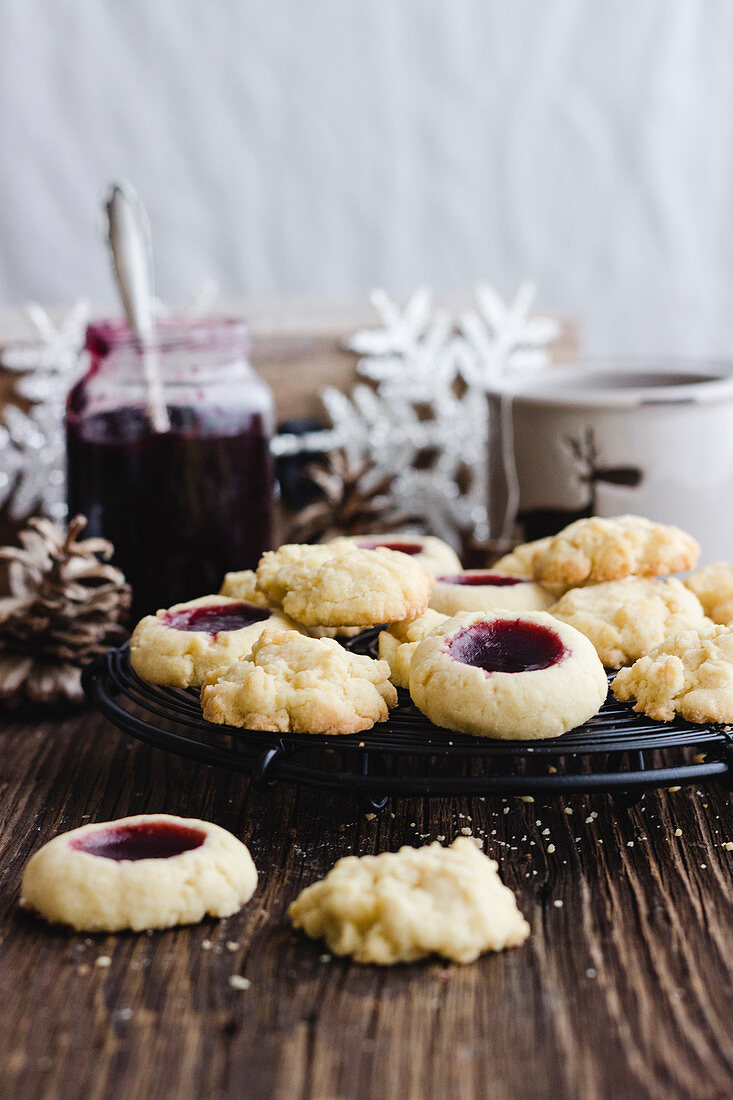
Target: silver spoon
(132, 263)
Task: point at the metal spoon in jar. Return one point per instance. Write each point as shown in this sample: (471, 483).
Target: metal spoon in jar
(132, 262)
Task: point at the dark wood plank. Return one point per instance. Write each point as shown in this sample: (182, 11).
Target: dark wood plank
(623, 990)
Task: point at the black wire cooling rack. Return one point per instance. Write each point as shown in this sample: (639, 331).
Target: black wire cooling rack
(616, 751)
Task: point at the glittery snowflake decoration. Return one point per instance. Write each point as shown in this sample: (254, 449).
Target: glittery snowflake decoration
(32, 448)
(421, 412)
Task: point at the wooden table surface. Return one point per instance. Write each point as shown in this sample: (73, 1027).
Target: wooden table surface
(623, 990)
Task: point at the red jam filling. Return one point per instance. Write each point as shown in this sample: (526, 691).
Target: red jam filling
(507, 645)
(216, 618)
(148, 840)
(403, 547)
(482, 579)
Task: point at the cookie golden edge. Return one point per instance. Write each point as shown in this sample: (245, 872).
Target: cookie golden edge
(600, 548)
(163, 655)
(267, 690)
(522, 706)
(409, 905)
(92, 893)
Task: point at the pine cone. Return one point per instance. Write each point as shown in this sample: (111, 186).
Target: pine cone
(65, 607)
(355, 501)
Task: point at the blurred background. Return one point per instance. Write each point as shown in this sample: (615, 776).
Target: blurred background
(294, 150)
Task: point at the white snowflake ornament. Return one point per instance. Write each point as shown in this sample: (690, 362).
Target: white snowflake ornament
(32, 444)
(424, 418)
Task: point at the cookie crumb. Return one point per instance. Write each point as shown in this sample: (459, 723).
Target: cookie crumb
(558, 903)
(590, 972)
(103, 961)
(207, 945)
(550, 848)
(678, 832)
(527, 798)
(728, 845)
(568, 809)
(326, 958)
(699, 758)
(673, 789)
(232, 945)
(465, 831)
(236, 981)
(370, 817)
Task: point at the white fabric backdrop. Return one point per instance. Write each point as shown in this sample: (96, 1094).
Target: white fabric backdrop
(315, 148)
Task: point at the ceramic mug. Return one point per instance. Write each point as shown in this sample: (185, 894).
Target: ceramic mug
(612, 437)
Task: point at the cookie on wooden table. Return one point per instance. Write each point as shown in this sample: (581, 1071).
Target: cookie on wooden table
(398, 907)
(148, 871)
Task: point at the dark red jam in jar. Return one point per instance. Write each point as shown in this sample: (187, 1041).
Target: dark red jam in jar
(185, 505)
(507, 645)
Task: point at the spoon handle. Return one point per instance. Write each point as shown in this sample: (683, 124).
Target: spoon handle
(132, 263)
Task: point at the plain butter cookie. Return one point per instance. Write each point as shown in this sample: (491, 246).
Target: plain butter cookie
(402, 906)
(594, 550)
(400, 640)
(690, 674)
(291, 683)
(626, 619)
(338, 584)
(149, 871)
(713, 586)
(512, 675)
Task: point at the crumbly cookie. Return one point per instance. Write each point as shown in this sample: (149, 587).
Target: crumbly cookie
(242, 585)
(521, 561)
(486, 589)
(626, 619)
(426, 550)
(148, 871)
(398, 907)
(400, 640)
(291, 683)
(594, 550)
(338, 584)
(180, 646)
(690, 674)
(514, 675)
(713, 586)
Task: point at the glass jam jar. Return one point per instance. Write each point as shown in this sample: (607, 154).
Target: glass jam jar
(185, 505)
